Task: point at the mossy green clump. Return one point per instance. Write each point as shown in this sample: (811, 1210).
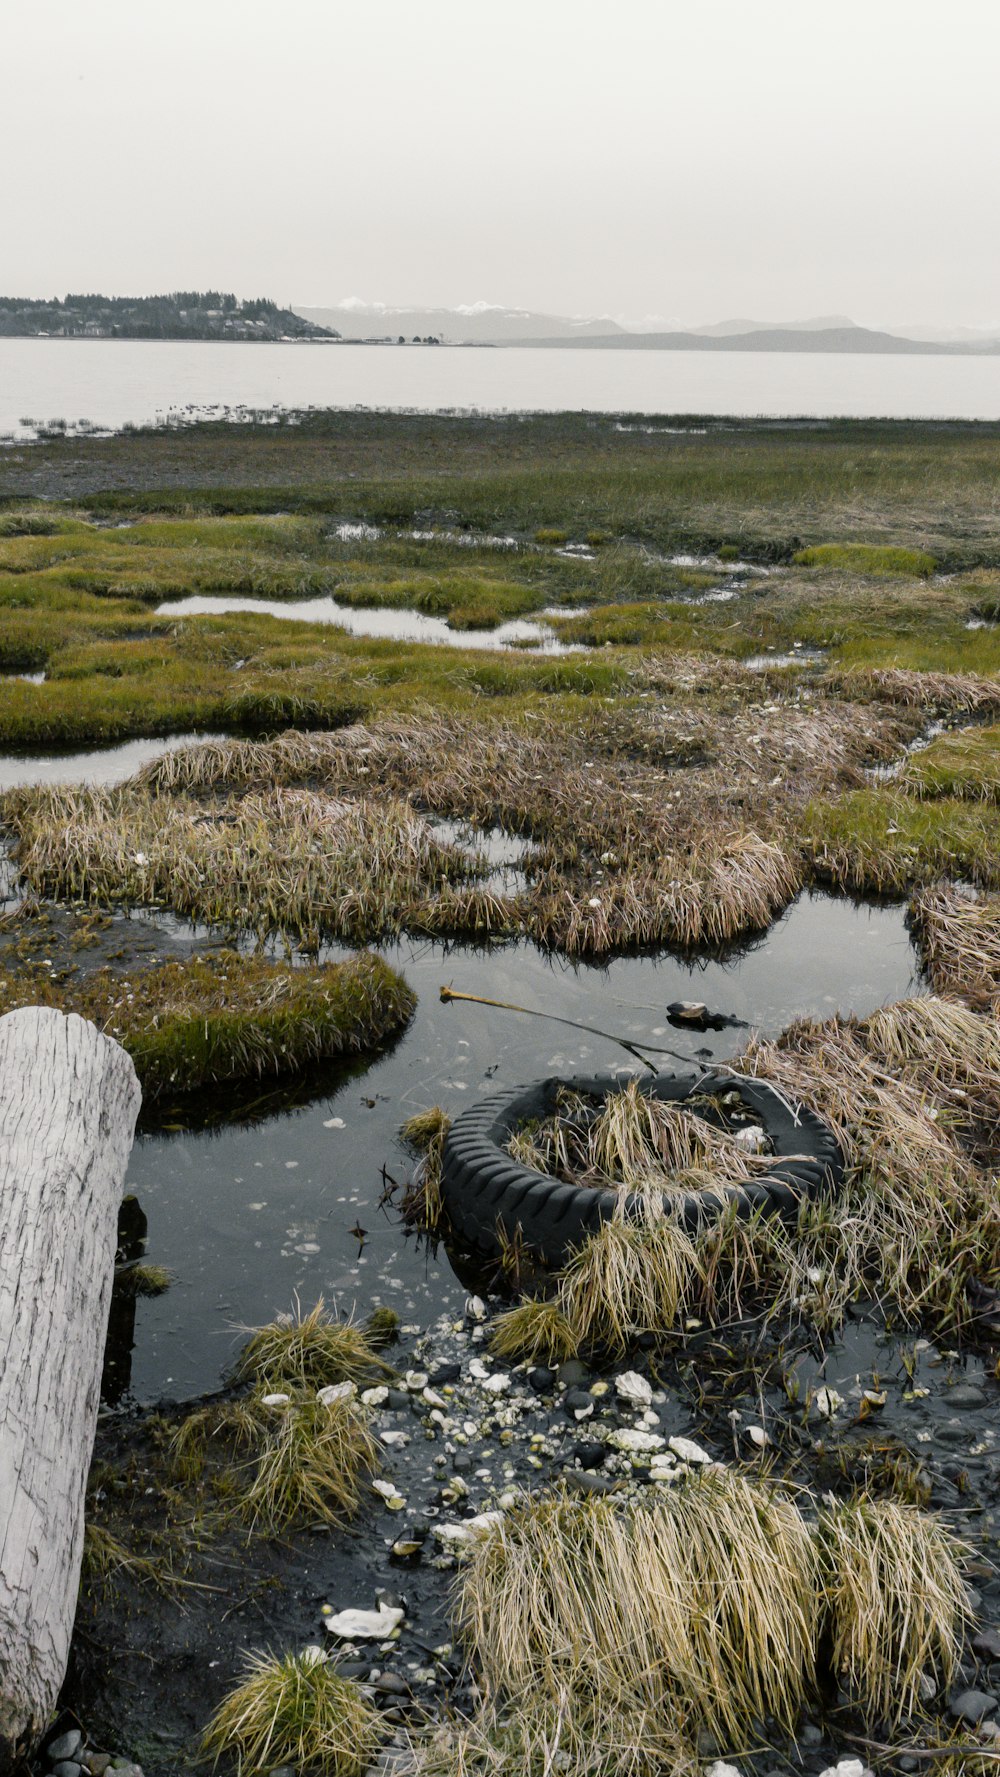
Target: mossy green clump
(197, 1023)
(297, 1711)
(868, 558)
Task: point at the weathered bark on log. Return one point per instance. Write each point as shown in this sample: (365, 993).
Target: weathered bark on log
(68, 1103)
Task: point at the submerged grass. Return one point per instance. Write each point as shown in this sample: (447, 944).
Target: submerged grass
(295, 1710)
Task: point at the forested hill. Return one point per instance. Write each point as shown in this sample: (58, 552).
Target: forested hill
(184, 314)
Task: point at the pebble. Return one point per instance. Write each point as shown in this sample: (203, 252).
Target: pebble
(972, 1706)
(541, 1379)
(721, 1769)
(67, 1767)
(987, 1642)
(66, 1746)
(580, 1480)
(572, 1372)
(578, 1404)
(966, 1394)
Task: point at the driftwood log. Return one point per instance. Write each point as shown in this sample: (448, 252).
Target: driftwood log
(68, 1103)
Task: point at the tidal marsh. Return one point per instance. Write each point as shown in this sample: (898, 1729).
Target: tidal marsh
(657, 792)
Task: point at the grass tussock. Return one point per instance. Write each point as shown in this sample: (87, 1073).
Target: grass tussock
(207, 1020)
(702, 1607)
(310, 1351)
(706, 1611)
(868, 558)
(295, 1710)
(908, 1092)
(281, 1455)
(959, 938)
(535, 1332)
(893, 1590)
(558, 1733)
(287, 860)
(279, 1464)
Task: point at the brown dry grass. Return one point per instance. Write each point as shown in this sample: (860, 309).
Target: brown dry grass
(958, 932)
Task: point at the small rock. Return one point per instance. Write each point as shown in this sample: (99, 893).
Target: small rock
(987, 1643)
(810, 1734)
(578, 1404)
(541, 1379)
(390, 1684)
(67, 1767)
(66, 1746)
(397, 1399)
(590, 1454)
(721, 1769)
(572, 1372)
(445, 1373)
(972, 1706)
(966, 1394)
(97, 1763)
(337, 1391)
(580, 1480)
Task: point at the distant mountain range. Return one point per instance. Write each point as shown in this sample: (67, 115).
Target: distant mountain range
(486, 324)
(479, 324)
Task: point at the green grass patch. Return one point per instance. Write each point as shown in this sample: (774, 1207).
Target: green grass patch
(883, 841)
(867, 558)
(206, 1021)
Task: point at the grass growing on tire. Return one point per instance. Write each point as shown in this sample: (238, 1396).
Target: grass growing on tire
(295, 1710)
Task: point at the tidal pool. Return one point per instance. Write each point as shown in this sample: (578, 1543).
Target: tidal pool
(285, 1198)
(390, 624)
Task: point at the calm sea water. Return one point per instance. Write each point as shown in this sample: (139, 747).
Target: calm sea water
(111, 382)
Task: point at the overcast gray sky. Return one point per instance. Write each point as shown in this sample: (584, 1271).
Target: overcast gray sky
(770, 158)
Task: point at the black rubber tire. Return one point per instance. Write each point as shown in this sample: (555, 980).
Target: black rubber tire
(489, 1195)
